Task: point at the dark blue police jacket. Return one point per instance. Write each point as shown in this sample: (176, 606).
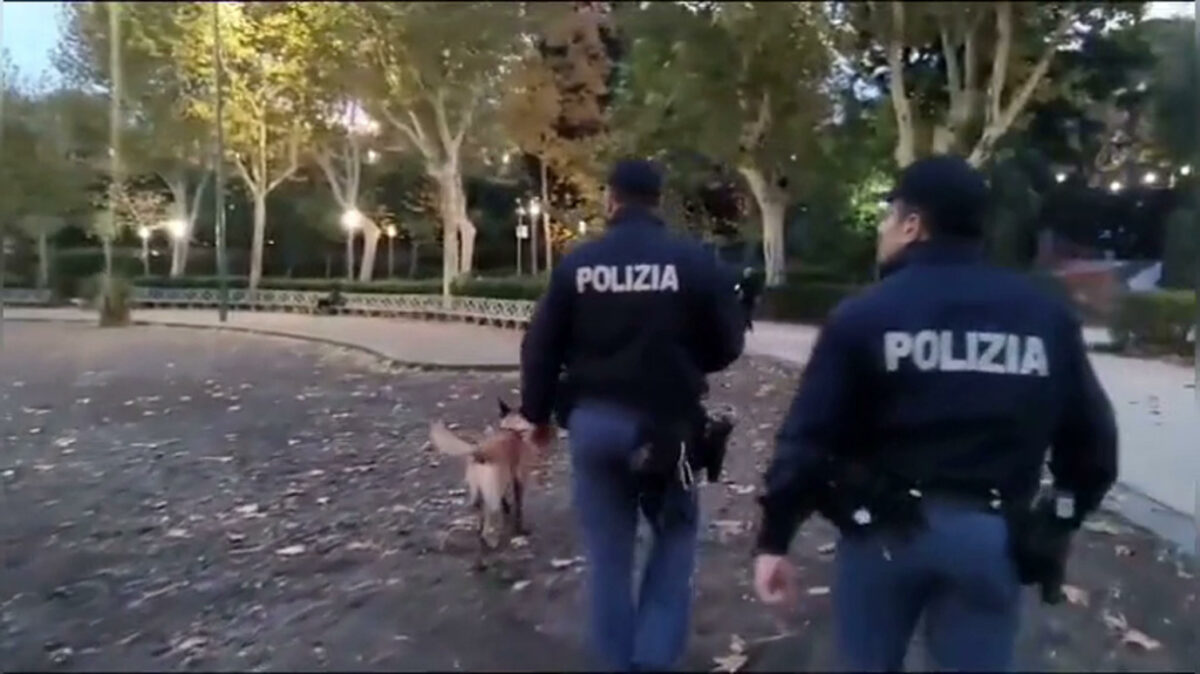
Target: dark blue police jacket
(637, 317)
(948, 372)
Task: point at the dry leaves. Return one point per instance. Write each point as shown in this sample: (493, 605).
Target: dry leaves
(735, 659)
(291, 550)
(1102, 527)
(1129, 636)
(1136, 638)
(1075, 595)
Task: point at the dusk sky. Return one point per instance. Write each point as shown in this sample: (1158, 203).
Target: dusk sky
(31, 30)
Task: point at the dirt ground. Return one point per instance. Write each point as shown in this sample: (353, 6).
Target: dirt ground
(178, 499)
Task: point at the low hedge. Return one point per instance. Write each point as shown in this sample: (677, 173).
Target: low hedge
(1156, 321)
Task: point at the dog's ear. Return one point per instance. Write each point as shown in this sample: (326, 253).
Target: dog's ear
(505, 410)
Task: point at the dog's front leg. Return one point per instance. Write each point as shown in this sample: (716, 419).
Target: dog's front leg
(519, 508)
(481, 542)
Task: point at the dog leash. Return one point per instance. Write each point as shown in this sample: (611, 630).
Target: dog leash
(686, 478)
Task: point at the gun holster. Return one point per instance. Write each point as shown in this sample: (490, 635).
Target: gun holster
(1039, 543)
(671, 454)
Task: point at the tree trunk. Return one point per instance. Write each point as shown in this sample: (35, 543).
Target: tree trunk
(260, 235)
(349, 256)
(772, 205)
(458, 232)
(366, 269)
(906, 149)
(413, 257)
(108, 257)
(179, 244)
(43, 260)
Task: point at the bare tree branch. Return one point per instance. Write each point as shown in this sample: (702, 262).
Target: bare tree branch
(325, 163)
(1004, 33)
(293, 161)
(998, 126)
(905, 143)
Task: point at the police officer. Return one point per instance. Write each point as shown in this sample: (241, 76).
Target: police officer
(932, 398)
(636, 318)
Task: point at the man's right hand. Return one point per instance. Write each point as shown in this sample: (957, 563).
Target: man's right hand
(774, 580)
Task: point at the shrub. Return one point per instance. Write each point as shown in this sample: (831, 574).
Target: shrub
(803, 302)
(1156, 321)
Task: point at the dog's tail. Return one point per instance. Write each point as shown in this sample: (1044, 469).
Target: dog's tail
(446, 442)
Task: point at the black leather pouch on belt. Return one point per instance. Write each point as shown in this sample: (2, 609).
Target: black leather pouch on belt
(657, 465)
(1039, 543)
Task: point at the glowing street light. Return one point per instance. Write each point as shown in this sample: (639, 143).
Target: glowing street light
(391, 232)
(1150, 178)
(352, 220)
(372, 156)
(582, 227)
(144, 233)
(1185, 170)
(177, 228)
(1115, 186)
(1060, 177)
(535, 208)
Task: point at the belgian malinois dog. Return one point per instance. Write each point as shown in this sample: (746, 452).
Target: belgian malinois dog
(497, 471)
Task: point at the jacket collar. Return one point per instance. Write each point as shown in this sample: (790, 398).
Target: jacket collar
(636, 216)
(934, 253)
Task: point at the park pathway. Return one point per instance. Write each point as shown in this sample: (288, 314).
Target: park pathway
(1155, 401)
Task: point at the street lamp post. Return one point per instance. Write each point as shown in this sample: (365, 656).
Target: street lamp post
(520, 234)
(219, 175)
(535, 209)
(391, 232)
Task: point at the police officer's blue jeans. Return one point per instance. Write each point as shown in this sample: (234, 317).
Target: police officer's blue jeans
(956, 572)
(648, 632)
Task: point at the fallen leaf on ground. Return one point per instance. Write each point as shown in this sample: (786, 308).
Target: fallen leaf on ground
(827, 549)
(729, 526)
(737, 644)
(1136, 638)
(565, 563)
(818, 591)
(1102, 527)
(730, 663)
(742, 489)
(1075, 595)
(177, 533)
(191, 644)
(521, 585)
(1123, 551)
(1115, 622)
(291, 550)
